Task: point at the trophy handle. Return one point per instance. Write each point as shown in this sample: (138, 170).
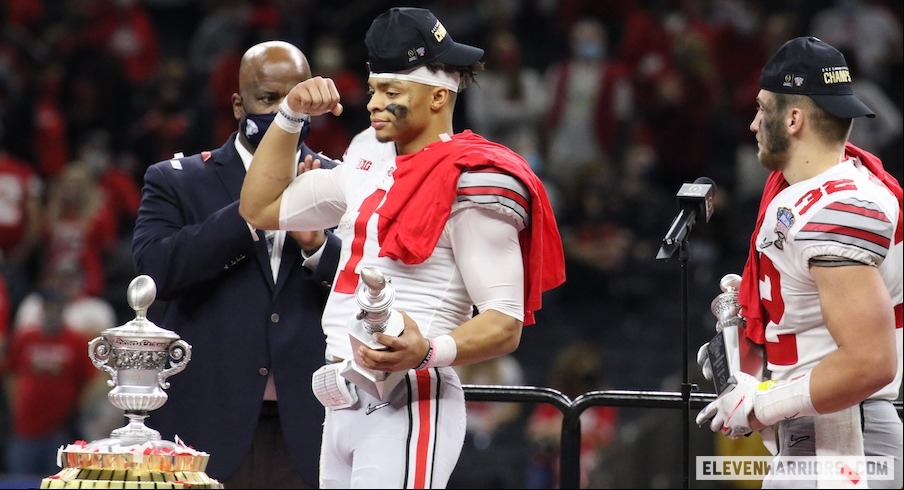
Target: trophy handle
(179, 355)
(99, 351)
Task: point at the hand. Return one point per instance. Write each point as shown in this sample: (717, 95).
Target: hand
(703, 361)
(731, 412)
(404, 352)
(309, 163)
(315, 96)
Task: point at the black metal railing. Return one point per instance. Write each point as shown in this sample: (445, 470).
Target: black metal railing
(569, 456)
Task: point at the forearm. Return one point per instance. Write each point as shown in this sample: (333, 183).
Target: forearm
(488, 335)
(842, 380)
(859, 315)
(272, 169)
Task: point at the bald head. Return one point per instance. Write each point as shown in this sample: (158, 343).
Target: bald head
(267, 72)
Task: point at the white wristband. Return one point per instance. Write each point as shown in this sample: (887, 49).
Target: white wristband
(443, 351)
(782, 401)
(289, 120)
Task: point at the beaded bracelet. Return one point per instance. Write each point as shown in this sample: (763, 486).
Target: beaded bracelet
(427, 357)
(288, 119)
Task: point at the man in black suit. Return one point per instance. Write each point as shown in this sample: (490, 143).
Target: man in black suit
(251, 316)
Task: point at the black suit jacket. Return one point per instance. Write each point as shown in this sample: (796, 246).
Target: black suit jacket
(219, 296)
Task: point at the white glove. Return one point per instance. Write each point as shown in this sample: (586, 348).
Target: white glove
(703, 361)
(730, 411)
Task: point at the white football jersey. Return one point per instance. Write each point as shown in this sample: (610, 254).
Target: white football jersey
(432, 292)
(843, 212)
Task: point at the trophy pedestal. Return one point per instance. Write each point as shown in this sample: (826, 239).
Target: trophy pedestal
(378, 383)
(113, 463)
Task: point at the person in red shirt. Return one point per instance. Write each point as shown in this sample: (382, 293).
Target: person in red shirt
(20, 214)
(47, 369)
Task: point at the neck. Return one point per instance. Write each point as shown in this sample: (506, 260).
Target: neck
(428, 136)
(811, 162)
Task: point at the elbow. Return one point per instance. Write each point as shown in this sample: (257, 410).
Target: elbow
(248, 214)
(887, 371)
(513, 337)
(879, 370)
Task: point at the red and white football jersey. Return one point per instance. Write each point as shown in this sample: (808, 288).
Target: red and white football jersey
(843, 212)
(432, 292)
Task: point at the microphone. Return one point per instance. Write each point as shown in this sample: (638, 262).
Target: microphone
(694, 200)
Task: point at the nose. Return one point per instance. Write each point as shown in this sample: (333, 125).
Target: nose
(373, 104)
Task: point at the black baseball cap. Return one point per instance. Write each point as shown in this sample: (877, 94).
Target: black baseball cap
(403, 38)
(809, 66)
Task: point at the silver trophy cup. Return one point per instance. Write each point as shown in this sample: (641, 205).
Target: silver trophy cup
(139, 356)
(724, 353)
(374, 295)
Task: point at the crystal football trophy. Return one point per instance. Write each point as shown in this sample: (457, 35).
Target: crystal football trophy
(723, 349)
(139, 356)
(374, 295)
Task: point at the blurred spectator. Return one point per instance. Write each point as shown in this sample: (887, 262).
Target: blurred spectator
(88, 316)
(220, 31)
(880, 135)
(79, 227)
(590, 105)
(577, 369)
(83, 313)
(50, 138)
(167, 121)
(331, 135)
(595, 237)
(95, 92)
(493, 455)
(114, 175)
(683, 93)
(46, 370)
(21, 192)
(5, 331)
(510, 101)
(123, 29)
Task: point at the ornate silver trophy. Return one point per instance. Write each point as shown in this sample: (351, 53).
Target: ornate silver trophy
(136, 356)
(374, 295)
(724, 353)
(139, 356)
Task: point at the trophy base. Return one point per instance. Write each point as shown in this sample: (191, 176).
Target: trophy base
(720, 361)
(100, 478)
(114, 463)
(378, 384)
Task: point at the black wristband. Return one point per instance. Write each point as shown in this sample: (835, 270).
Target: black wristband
(427, 357)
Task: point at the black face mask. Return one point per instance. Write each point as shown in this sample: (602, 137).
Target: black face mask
(253, 126)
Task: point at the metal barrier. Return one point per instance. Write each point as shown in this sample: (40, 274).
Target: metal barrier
(569, 456)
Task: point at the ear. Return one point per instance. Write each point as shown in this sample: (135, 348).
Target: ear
(440, 97)
(238, 110)
(796, 119)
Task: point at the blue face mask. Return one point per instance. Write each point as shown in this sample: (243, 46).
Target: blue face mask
(590, 51)
(253, 126)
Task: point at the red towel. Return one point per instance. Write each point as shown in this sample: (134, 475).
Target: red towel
(420, 202)
(749, 293)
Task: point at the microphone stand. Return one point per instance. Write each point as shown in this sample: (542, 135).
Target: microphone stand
(686, 387)
(664, 253)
